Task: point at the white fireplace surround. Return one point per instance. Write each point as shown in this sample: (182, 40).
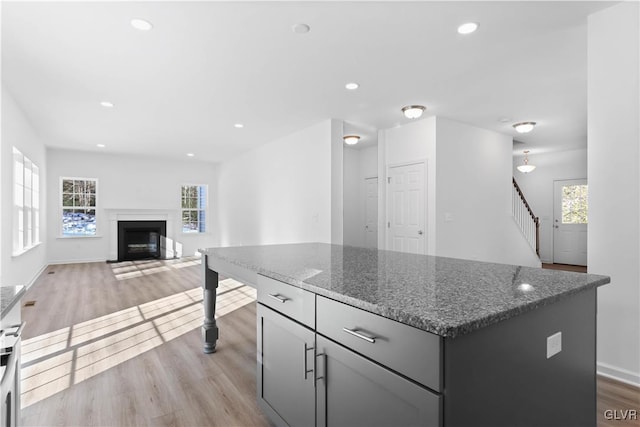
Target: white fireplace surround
(170, 248)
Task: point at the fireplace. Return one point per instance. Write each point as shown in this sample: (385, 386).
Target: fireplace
(141, 239)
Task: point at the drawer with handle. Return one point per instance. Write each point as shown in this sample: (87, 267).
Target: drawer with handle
(289, 300)
(410, 351)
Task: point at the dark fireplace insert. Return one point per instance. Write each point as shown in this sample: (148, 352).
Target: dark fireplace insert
(140, 239)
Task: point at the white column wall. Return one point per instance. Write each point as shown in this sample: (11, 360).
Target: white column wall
(614, 184)
(473, 200)
(280, 192)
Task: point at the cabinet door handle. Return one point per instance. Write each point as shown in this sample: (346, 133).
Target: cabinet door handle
(306, 369)
(360, 335)
(277, 297)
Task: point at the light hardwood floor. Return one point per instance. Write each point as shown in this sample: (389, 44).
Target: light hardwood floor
(119, 345)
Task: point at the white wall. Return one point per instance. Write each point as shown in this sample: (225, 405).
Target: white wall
(280, 192)
(473, 200)
(537, 187)
(125, 183)
(614, 184)
(415, 141)
(17, 131)
(468, 182)
(359, 164)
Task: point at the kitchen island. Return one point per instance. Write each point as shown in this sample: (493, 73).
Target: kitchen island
(355, 336)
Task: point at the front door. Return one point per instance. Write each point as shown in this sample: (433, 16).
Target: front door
(570, 209)
(406, 209)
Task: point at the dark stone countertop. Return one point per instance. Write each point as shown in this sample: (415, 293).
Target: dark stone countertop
(9, 296)
(445, 296)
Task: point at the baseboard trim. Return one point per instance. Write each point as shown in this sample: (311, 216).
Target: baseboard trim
(618, 374)
(77, 261)
(36, 276)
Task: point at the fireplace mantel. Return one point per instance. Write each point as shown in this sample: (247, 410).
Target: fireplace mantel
(170, 248)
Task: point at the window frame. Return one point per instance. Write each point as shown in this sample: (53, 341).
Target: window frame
(26, 216)
(203, 224)
(61, 208)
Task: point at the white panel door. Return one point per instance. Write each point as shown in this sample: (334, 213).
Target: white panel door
(371, 213)
(570, 209)
(406, 209)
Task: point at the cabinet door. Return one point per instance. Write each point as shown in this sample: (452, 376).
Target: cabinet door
(285, 376)
(354, 391)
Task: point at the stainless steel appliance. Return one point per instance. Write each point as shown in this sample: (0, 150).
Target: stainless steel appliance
(10, 372)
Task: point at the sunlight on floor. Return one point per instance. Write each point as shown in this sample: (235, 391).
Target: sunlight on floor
(55, 361)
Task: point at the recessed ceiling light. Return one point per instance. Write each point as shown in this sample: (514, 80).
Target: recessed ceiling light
(467, 28)
(238, 125)
(352, 86)
(100, 145)
(141, 24)
(190, 154)
(351, 139)
(413, 111)
(300, 28)
(524, 127)
(107, 104)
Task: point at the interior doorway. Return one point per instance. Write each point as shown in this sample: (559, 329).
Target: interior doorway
(406, 213)
(570, 219)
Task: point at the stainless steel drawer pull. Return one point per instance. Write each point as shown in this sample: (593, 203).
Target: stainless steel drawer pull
(18, 331)
(306, 369)
(360, 335)
(279, 298)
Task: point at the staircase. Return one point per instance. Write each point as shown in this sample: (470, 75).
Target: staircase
(523, 215)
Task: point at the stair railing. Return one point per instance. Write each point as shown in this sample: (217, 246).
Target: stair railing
(529, 223)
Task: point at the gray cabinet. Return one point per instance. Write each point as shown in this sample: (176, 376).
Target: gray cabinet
(318, 364)
(285, 375)
(354, 391)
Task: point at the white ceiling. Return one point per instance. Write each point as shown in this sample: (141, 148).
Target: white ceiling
(207, 65)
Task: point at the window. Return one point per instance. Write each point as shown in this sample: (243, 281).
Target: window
(194, 208)
(26, 203)
(575, 202)
(78, 206)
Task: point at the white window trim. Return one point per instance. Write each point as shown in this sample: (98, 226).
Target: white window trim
(32, 211)
(206, 211)
(61, 209)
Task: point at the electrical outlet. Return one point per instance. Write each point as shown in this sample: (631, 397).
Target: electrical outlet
(554, 344)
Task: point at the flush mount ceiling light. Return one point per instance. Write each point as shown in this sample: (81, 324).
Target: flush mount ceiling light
(141, 24)
(238, 126)
(526, 167)
(351, 139)
(107, 104)
(467, 28)
(190, 154)
(524, 127)
(300, 28)
(352, 86)
(413, 111)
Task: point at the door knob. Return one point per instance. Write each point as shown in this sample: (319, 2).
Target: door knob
(420, 232)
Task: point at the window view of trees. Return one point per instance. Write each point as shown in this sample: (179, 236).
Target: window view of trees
(575, 203)
(194, 205)
(78, 207)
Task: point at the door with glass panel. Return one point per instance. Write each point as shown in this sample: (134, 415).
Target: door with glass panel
(570, 218)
